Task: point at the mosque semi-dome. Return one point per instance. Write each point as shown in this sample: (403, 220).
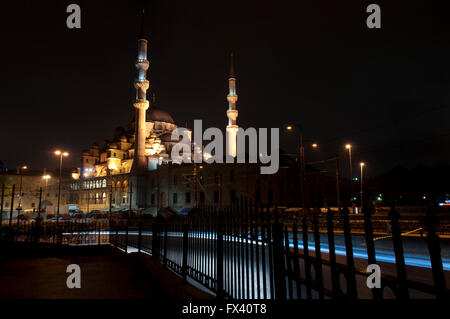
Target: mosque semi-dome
(155, 114)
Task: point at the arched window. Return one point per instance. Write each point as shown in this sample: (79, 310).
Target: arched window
(104, 198)
(104, 183)
(97, 197)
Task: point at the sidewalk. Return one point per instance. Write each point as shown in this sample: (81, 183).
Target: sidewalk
(102, 277)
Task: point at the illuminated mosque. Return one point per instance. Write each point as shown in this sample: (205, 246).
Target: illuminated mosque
(135, 172)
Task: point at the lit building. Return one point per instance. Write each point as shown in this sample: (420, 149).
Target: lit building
(135, 171)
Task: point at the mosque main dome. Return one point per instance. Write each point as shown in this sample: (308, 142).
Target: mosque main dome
(156, 114)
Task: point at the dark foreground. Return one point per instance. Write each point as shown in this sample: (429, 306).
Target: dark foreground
(103, 276)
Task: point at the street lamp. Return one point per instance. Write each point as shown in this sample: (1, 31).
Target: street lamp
(290, 127)
(61, 155)
(362, 164)
(349, 148)
(21, 168)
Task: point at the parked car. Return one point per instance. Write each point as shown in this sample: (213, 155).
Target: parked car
(93, 212)
(75, 211)
(61, 218)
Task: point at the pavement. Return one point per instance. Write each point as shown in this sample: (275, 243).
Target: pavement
(102, 277)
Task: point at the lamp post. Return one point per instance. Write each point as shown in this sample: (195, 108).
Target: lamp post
(349, 148)
(61, 155)
(362, 164)
(21, 169)
(290, 127)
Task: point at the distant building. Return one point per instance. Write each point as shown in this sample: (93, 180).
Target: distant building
(27, 184)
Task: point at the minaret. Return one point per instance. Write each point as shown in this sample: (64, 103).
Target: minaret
(141, 103)
(232, 112)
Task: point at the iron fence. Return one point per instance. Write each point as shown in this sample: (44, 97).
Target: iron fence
(247, 251)
(74, 233)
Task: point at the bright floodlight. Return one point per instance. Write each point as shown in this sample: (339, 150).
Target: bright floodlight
(58, 152)
(65, 154)
(348, 146)
(314, 145)
(289, 127)
(24, 167)
(362, 164)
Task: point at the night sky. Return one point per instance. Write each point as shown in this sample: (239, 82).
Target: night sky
(385, 91)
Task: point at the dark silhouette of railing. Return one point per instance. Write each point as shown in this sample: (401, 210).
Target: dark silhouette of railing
(74, 232)
(247, 251)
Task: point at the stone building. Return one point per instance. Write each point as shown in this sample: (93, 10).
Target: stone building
(135, 170)
(26, 185)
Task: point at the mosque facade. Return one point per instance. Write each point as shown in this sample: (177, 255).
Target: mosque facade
(134, 171)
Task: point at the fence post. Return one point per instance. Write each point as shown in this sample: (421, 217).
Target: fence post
(126, 237)
(332, 253)
(165, 245)
(307, 261)
(99, 238)
(1, 207)
(435, 254)
(278, 267)
(155, 241)
(219, 257)
(399, 256)
(117, 232)
(371, 258)
(318, 255)
(16, 233)
(140, 235)
(12, 207)
(185, 252)
(351, 274)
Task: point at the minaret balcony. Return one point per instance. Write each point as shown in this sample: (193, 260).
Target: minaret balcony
(232, 115)
(142, 64)
(232, 98)
(141, 104)
(142, 85)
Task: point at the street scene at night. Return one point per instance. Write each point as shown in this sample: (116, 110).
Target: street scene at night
(225, 158)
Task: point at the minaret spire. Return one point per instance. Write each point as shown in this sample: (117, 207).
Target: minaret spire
(141, 103)
(232, 112)
(141, 33)
(231, 66)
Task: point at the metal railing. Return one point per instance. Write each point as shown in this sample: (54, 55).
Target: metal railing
(246, 251)
(73, 233)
